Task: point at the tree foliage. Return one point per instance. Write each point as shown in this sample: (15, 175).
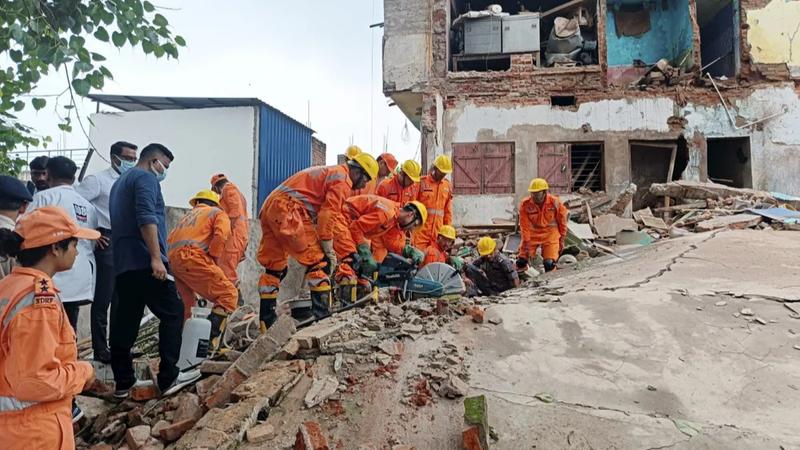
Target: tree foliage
(39, 37)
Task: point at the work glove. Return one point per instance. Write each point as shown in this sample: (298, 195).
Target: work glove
(368, 264)
(330, 255)
(522, 263)
(457, 263)
(416, 255)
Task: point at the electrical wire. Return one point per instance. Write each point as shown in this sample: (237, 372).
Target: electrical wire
(78, 115)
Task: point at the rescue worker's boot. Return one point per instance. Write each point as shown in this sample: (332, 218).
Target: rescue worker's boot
(268, 287)
(219, 320)
(549, 265)
(346, 292)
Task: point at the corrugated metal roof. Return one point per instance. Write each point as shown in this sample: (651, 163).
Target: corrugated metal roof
(151, 103)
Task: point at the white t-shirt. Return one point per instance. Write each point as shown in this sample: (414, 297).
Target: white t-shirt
(97, 188)
(77, 283)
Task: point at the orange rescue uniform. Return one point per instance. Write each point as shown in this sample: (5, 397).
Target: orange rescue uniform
(235, 206)
(434, 254)
(392, 190)
(39, 364)
(193, 245)
(544, 226)
(296, 216)
(372, 218)
(438, 199)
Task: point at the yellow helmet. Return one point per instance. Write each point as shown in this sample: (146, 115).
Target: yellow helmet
(368, 163)
(538, 185)
(447, 231)
(204, 195)
(412, 169)
(443, 163)
(421, 209)
(486, 246)
(352, 151)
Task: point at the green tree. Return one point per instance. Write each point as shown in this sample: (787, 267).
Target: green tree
(38, 37)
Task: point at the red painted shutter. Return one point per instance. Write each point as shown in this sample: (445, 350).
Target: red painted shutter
(466, 169)
(554, 166)
(498, 168)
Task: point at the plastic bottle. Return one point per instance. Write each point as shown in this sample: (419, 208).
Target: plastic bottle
(196, 339)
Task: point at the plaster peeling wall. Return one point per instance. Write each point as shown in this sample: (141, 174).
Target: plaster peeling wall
(481, 209)
(774, 33)
(406, 44)
(774, 144)
(649, 114)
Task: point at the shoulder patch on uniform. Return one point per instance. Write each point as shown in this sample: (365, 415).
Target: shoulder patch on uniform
(40, 300)
(43, 286)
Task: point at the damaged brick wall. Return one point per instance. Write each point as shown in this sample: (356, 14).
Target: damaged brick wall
(319, 152)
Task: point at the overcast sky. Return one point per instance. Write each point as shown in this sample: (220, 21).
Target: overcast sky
(285, 53)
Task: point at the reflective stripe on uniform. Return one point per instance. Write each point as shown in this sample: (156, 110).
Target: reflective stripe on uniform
(552, 224)
(8, 404)
(267, 289)
(335, 177)
(23, 303)
(299, 197)
(436, 212)
(187, 243)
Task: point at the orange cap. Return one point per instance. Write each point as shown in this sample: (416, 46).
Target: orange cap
(390, 160)
(217, 178)
(48, 225)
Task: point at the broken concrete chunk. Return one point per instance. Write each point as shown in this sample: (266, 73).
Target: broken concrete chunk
(224, 428)
(721, 303)
(320, 390)
(188, 408)
(214, 367)
(747, 312)
(737, 221)
(382, 359)
(411, 328)
(608, 225)
(337, 362)
(260, 433)
(136, 437)
(156, 430)
(496, 320)
(760, 320)
(453, 387)
(391, 347)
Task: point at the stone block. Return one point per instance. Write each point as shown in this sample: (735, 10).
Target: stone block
(215, 367)
(136, 437)
(188, 408)
(224, 428)
(176, 430)
(271, 381)
(260, 433)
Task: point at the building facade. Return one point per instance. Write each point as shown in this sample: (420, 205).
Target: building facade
(704, 90)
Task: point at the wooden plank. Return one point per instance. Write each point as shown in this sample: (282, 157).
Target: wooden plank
(669, 176)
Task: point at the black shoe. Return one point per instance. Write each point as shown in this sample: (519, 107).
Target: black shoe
(103, 356)
(124, 393)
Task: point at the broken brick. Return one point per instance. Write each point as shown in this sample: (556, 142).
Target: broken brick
(224, 428)
(472, 439)
(263, 349)
(204, 386)
(145, 391)
(176, 430)
(137, 436)
(476, 414)
(477, 314)
(155, 431)
(215, 367)
(188, 408)
(310, 437)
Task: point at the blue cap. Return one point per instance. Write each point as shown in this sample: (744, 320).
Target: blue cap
(13, 189)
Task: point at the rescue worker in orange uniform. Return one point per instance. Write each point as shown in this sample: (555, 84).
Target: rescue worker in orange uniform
(39, 363)
(194, 248)
(542, 223)
(436, 194)
(235, 206)
(387, 164)
(370, 219)
(439, 251)
(298, 219)
(403, 187)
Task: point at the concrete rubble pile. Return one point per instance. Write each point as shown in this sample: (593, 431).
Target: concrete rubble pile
(683, 207)
(263, 394)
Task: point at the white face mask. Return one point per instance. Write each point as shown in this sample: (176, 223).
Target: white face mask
(160, 176)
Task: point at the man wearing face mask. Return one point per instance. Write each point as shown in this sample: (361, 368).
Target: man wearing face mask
(298, 219)
(542, 223)
(96, 189)
(138, 221)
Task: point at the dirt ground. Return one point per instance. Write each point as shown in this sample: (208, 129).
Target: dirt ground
(632, 351)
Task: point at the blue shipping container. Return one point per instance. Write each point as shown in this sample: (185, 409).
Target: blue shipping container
(284, 149)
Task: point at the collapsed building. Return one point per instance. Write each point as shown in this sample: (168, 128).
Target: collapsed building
(597, 95)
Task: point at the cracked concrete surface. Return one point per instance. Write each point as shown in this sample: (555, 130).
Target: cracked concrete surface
(634, 344)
